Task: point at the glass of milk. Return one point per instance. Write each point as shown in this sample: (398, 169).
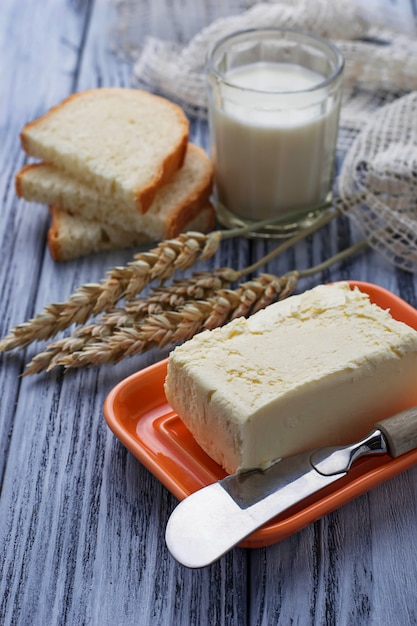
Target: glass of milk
(274, 99)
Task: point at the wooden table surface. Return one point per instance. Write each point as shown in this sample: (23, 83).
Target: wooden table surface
(81, 520)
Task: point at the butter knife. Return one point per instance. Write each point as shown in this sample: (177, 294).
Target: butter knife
(211, 521)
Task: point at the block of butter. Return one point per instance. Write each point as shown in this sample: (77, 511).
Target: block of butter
(316, 369)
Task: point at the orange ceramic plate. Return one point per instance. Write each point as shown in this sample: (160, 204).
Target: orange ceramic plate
(137, 412)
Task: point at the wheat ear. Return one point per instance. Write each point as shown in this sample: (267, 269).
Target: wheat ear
(122, 282)
(127, 281)
(199, 287)
(174, 326)
(110, 344)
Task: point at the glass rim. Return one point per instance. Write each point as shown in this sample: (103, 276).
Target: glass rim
(312, 38)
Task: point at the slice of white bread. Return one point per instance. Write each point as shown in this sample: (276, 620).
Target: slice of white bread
(174, 206)
(125, 143)
(70, 236)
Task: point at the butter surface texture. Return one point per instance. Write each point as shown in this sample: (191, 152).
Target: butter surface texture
(319, 368)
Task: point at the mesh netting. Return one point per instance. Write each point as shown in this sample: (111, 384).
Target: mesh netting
(378, 182)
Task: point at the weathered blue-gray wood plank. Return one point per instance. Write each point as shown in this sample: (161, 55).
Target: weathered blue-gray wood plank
(81, 521)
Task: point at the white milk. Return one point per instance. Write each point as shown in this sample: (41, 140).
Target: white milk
(273, 152)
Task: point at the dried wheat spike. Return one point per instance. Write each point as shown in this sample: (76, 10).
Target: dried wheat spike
(171, 255)
(46, 360)
(127, 281)
(200, 286)
(171, 327)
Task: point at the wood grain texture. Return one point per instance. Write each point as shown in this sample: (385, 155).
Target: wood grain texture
(81, 521)
(400, 432)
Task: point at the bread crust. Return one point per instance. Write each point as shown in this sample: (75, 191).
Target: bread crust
(171, 164)
(173, 160)
(53, 237)
(18, 180)
(198, 199)
(203, 220)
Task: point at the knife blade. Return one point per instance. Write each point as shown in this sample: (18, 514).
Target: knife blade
(214, 519)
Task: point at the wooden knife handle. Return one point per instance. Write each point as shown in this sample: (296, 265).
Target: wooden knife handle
(400, 431)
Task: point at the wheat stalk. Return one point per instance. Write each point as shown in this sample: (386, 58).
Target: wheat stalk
(199, 287)
(127, 281)
(171, 326)
(122, 282)
(143, 325)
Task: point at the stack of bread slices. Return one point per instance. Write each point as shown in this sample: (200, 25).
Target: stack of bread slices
(117, 170)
